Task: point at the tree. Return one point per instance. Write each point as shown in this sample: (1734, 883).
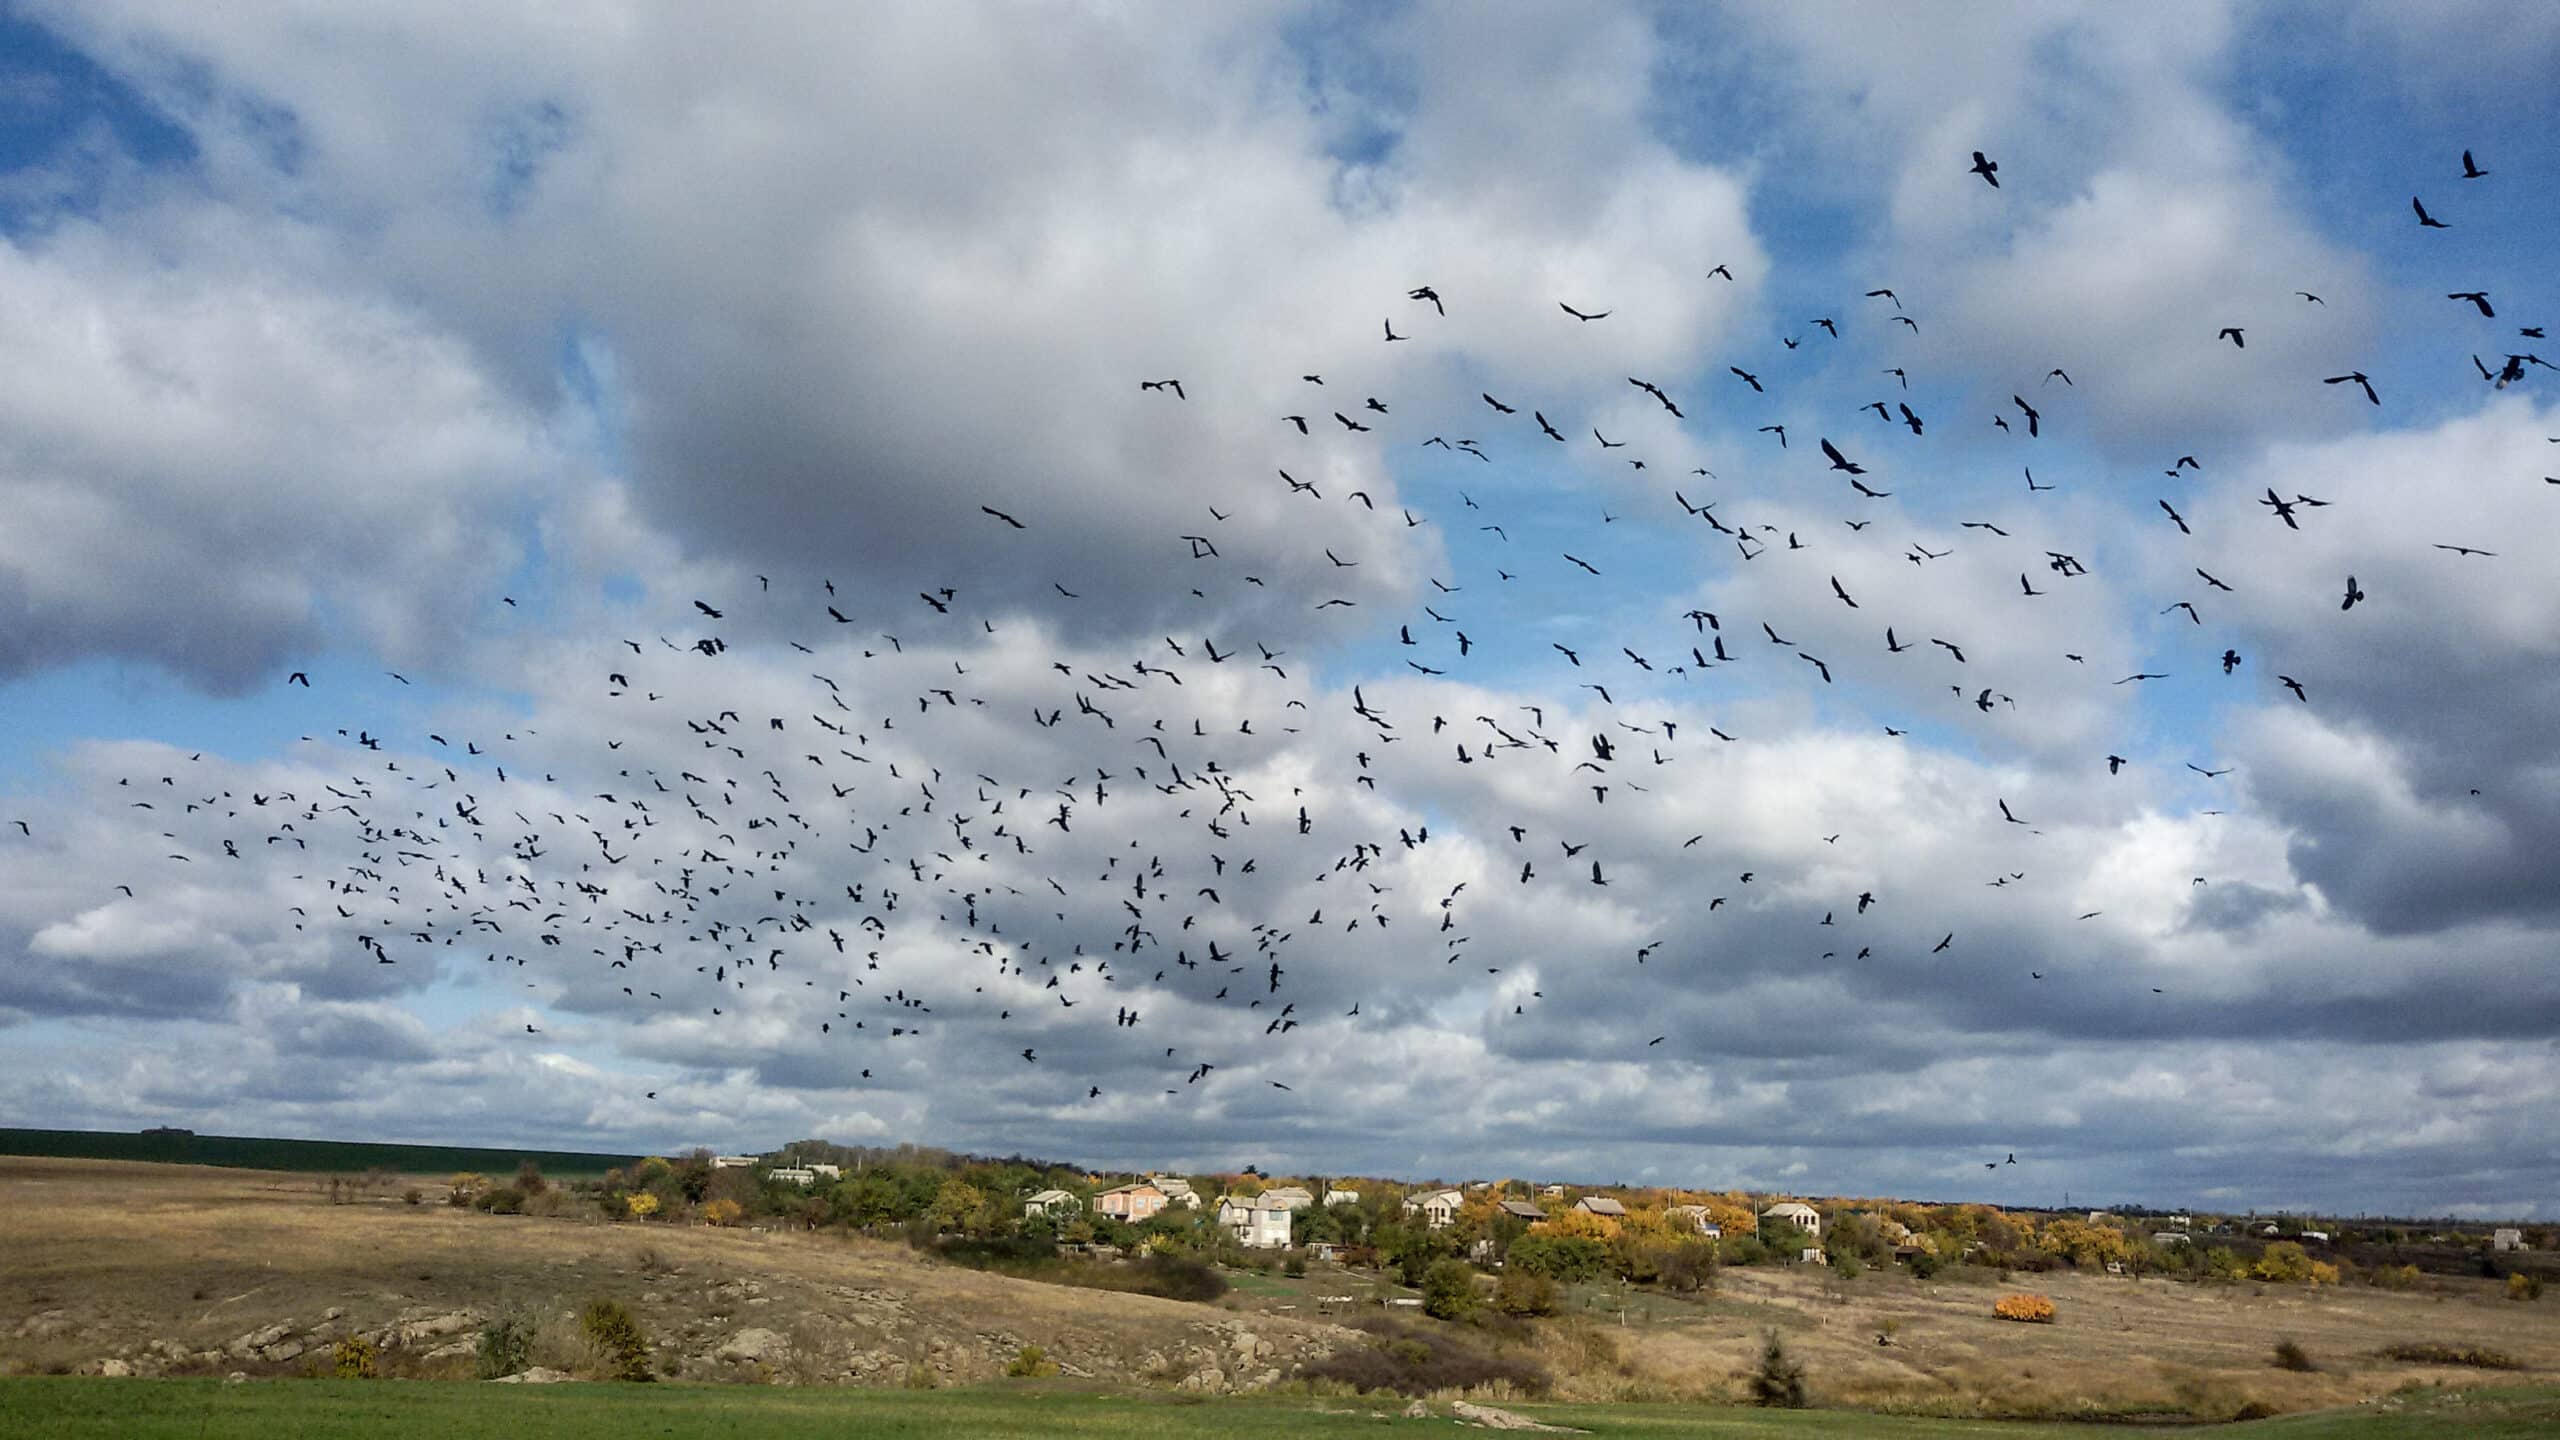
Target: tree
(2283, 1263)
(1449, 1290)
(955, 1204)
(1524, 1292)
(1779, 1378)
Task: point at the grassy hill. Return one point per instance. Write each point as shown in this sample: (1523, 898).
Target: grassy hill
(242, 1152)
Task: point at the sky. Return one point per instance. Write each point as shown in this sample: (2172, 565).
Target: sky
(1760, 832)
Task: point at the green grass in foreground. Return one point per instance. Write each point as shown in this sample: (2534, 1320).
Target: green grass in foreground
(73, 1408)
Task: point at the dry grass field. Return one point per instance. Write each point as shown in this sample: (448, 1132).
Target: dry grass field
(183, 1271)
(110, 1259)
(2117, 1349)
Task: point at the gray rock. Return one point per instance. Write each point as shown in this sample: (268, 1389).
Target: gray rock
(114, 1369)
(538, 1375)
(756, 1345)
(284, 1350)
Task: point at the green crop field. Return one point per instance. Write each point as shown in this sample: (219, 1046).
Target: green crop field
(91, 1409)
(310, 1156)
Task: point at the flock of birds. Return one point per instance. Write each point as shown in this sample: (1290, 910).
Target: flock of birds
(863, 861)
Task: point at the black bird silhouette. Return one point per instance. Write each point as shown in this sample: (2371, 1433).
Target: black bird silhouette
(2295, 686)
(1578, 315)
(2425, 219)
(1552, 432)
(1391, 332)
(2469, 170)
(2232, 334)
(1009, 520)
(1498, 405)
(2479, 298)
(1840, 461)
(2355, 593)
(2032, 416)
(1173, 385)
(1989, 170)
(1754, 382)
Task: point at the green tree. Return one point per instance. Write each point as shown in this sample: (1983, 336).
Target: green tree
(1779, 1378)
(1449, 1290)
(955, 1204)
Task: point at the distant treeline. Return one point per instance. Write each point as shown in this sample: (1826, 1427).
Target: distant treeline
(312, 1156)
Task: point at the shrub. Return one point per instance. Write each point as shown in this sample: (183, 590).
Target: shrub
(1925, 1263)
(1779, 1377)
(352, 1358)
(2394, 1277)
(1689, 1267)
(1030, 1363)
(505, 1200)
(642, 1205)
(1295, 1267)
(413, 1195)
(2031, 1309)
(1449, 1290)
(2521, 1286)
(1424, 1362)
(2283, 1263)
(465, 1187)
(529, 1179)
(2291, 1356)
(1568, 1258)
(506, 1347)
(2437, 1352)
(722, 1212)
(1524, 1292)
(619, 1336)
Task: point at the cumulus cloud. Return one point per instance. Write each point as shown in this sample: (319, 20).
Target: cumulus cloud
(614, 319)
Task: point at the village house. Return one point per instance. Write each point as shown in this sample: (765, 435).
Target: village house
(1138, 1200)
(1796, 1213)
(2507, 1238)
(1697, 1216)
(1050, 1202)
(2169, 1237)
(1601, 1205)
(736, 1162)
(1261, 1222)
(1296, 1197)
(792, 1174)
(1552, 1192)
(1342, 1197)
(1438, 1208)
(1176, 1191)
(1522, 1210)
(825, 1172)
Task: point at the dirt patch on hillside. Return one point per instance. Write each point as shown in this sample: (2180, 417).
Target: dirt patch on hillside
(156, 1269)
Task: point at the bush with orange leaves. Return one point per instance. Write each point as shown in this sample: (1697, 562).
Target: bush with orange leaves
(723, 1212)
(2033, 1309)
